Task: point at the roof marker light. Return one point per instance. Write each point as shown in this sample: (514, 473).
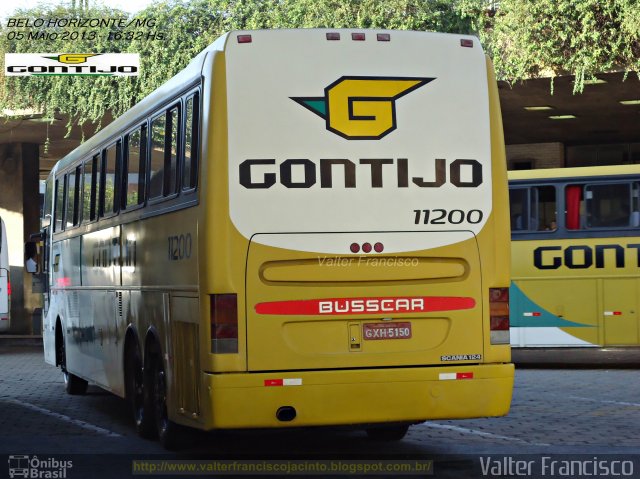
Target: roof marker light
(378, 247)
(355, 247)
(244, 39)
(359, 37)
(333, 36)
(383, 37)
(366, 248)
(466, 42)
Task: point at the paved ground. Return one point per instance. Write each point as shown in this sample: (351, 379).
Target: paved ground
(554, 411)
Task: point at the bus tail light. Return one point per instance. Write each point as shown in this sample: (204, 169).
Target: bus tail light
(8, 288)
(224, 323)
(499, 309)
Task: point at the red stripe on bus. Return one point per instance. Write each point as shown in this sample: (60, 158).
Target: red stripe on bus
(353, 306)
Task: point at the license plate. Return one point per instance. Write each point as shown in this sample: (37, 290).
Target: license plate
(387, 330)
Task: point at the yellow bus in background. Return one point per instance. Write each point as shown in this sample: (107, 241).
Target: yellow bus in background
(301, 228)
(575, 257)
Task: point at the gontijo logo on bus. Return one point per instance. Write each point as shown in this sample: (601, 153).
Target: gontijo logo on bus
(86, 64)
(361, 108)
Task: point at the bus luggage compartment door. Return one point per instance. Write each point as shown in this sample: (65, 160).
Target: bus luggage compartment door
(310, 310)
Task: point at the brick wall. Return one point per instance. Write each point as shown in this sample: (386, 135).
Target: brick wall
(542, 155)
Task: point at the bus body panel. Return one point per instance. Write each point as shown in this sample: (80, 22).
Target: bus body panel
(308, 168)
(301, 307)
(362, 396)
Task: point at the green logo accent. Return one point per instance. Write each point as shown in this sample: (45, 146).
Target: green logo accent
(519, 302)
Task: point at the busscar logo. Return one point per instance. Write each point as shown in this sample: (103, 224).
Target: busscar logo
(84, 64)
(361, 108)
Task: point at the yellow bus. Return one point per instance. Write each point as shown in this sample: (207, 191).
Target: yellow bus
(575, 257)
(301, 228)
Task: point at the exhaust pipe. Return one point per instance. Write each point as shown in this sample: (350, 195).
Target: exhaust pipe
(286, 414)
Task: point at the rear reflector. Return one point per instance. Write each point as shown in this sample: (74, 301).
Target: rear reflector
(499, 311)
(224, 323)
(358, 37)
(454, 376)
(333, 36)
(244, 39)
(9, 288)
(383, 37)
(465, 42)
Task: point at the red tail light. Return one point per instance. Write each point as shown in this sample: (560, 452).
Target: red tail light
(499, 310)
(224, 323)
(9, 287)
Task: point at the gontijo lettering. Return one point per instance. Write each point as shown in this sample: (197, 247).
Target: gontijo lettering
(584, 256)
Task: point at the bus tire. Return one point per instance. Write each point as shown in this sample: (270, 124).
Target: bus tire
(394, 432)
(72, 383)
(137, 393)
(168, 431)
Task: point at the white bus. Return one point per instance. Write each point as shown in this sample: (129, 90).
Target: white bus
(5, 283)
(301, 228)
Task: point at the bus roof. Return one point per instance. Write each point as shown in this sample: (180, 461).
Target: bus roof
(551, 173)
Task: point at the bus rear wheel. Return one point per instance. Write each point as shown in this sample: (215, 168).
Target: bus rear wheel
(168, 431)
(393, 432)
(138, 394)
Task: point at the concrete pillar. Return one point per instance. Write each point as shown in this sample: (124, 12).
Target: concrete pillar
(20, 210)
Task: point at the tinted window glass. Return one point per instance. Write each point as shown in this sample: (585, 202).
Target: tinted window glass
(156, 168)
(88, 186)
(608, 205)
(189, 174)
(172, 167)
(70, 217)
(110, 164)
(59, 204)
(135, 167)
(519, 204)
(97, 173)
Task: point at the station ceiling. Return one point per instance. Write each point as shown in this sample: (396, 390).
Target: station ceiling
(599, 117)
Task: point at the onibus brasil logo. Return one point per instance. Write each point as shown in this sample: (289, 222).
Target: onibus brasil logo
(84, 64)
(361, 108)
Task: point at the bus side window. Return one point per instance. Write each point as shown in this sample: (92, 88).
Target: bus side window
(134, 167)
(171, 162)
(608, 205)
(88, 191)
(191, 148)
(109, 181)
(58, 214)
(156, 163)
(519, 203)
(71, 215)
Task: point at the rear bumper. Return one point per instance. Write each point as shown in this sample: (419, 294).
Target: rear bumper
(360, 396)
